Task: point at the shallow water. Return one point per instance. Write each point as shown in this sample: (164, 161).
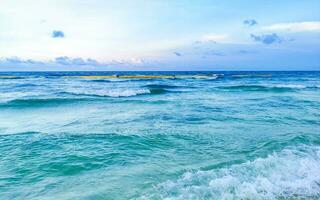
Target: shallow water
(179, 135)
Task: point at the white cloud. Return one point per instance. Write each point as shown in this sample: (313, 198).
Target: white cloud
(214, 38)
(294, 27)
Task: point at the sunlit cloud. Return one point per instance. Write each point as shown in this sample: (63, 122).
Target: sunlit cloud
(294, 27)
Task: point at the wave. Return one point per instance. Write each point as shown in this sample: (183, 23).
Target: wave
(210, 77)
(291, 86)
(251, 75)
(72, 97)
(77, 96)
(69, 97)
(253, 88)
(289, 174)
(111, 93)
(12, 77)
(100, 80)
(29, 85)
(264, 88)
(164, 88)
(110, 80)
(122, 76)
(80, 94)
(168, 76)
(34, 102)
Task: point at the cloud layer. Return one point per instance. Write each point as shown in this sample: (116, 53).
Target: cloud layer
(67, 63)
(77, 61)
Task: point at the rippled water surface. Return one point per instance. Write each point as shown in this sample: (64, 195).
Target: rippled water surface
(160, 135)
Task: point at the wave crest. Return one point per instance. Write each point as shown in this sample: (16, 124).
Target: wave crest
(111, 93)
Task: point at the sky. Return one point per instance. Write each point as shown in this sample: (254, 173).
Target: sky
(121, 35)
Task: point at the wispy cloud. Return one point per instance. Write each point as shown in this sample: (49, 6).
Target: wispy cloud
(245, 52)
(57, 34)
(267, 38)
(250, 22)
(214, 53)
(294, 27)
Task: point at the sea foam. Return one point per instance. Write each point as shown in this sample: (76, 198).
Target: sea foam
(111, 92)
(291, 173)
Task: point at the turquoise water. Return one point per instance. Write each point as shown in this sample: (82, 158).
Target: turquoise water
(225, 135)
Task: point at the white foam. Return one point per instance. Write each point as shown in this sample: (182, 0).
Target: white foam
(293, 86)
(290, 173)
(124, 93)
(113, 92)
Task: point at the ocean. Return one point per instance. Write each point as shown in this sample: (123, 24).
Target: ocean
(159, 135)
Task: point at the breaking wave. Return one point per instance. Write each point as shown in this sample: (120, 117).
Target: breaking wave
(77, 96)
(111, 93)
(289, 174)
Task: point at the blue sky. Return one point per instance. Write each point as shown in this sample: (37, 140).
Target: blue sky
(159, 35)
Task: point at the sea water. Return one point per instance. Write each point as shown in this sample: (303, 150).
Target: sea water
(159, 135)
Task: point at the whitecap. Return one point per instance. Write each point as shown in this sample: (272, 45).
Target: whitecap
(112, 92)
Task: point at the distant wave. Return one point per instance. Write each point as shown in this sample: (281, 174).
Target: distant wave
(292, 173)
(264, 88)
(100, 80)
(111, 93)
(144, 90)
(292, 86)
(77, 96)
(211, 76)
(168, 76)
(34, 102)
(12, 77)
(250, 75)
(71, 96)
(30, 85)
(110, 80)
(164, 88)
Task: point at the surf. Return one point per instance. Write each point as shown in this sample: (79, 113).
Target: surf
(291, 173)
